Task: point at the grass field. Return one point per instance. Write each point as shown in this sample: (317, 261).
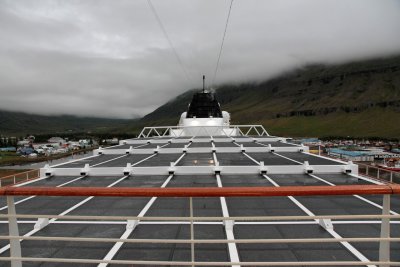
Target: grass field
(363, 124)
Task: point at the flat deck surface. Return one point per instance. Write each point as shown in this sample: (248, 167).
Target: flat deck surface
(175, 206)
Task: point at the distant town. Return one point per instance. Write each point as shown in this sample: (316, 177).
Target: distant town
(14, 151)
(374, 152)
(383, 154)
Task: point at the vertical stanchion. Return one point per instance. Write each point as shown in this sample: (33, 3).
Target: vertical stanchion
(384, 245)
(15, 245)
(191, 229)
(378, 174)
(27, 176)
(391, 177)
(14, 179)
(366, 172)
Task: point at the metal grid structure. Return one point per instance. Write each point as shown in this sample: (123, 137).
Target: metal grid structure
(176, 131)
(201, 201)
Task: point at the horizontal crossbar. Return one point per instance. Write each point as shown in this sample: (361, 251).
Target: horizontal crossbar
(234, 218)
(202, 241)
(197, 263)
(204, 191)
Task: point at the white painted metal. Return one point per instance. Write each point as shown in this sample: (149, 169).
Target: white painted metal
(117, 246)
(356, 196)
(384, 246)
(327, 227)
(191, 230)
(204, 129)
(220, 218)
(201, 170)
(203, 241)
(15, 245)
(166, 150)
(202, 263)
(233, 252)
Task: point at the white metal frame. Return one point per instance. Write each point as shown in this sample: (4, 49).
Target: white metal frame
(384, 240)
(163, 131)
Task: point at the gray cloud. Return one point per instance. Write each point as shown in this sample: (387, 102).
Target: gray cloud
(110, 58)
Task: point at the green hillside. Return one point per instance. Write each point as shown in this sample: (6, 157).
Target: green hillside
(360, 99)
(19, 124)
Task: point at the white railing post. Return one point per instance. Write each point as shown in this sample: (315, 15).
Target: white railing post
(27, 176)
(191, 229)
(14, 179)
(384, 245)
(366, 172)
(378, 174)
(15, 245)
(391, 177)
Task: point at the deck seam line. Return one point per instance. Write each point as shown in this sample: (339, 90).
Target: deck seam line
(333, 233)
(258, 163)
(275, 153)
(232, 248)
(97, 164)
(88, 157)
(30, 197)
(367, 179)
(5, 248)
(347, 245)
(356, 196)
(117, 246)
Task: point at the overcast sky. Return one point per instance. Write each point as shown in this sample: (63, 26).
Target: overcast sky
(111, 59)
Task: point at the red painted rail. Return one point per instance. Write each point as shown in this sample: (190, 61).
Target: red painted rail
(204, 191)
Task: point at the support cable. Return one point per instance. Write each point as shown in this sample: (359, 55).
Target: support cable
(222, 43)
(168, 39)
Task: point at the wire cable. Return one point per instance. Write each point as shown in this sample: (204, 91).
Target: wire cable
(168, 39)
(222, 44)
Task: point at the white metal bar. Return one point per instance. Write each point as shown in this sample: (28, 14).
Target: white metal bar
(117, 246)
(158, 134)
(232, 248)
(384, 245)
(5, 248)
(28, 198)
(287, 158)
(356, 196)
(191, 230)
(255, 161)
(347, 245)
(202, 263)
(98, 164)
(248, 131)
(221, 218)
(205, 223)
(203, 241)
(15, 245)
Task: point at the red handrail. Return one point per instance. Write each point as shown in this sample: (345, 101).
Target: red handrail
(204, 191)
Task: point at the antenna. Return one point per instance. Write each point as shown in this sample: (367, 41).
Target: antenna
(204, 78)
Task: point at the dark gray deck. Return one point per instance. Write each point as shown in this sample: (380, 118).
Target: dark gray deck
(170, 206)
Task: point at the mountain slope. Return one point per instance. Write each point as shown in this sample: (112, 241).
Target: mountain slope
(357, 99)
(19, 124)
(360, 99)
